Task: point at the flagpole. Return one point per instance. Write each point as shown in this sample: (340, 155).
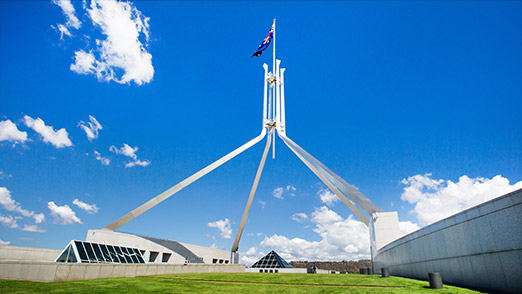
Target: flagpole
(275, 84)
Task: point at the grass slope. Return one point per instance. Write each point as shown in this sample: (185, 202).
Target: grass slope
(233, 283)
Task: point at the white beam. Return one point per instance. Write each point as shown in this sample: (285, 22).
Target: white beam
(252, 193)
(324, 179)
(161, 197)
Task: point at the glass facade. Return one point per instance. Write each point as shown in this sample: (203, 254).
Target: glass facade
(87, 252)
(271, 260)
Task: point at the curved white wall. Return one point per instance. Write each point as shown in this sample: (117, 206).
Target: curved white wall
(478, 248)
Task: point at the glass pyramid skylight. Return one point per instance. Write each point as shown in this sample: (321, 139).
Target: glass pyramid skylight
(271, 260)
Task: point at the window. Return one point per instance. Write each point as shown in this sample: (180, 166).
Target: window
(113, 253)
(165, 257)
(105, 253)
(98, 252)
(214, 260)
(221, 261)
(276, 271)
(120, 254)
(260, 271)
(226, 261)
(153, 255)
(81, 251)
(90, 252)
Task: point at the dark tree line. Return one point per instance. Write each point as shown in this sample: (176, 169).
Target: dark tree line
(341, 266)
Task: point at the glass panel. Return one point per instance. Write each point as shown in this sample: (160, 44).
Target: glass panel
(113, 254)
(133, 255)
(120, 254)
(138, 255)
(90, 252)
(126, 254)
(63, 257)
(81, 251)
(98, 253)
(105, 253)
(72, 256)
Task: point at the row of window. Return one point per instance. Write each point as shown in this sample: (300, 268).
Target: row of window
(100, 253)
(215, 260)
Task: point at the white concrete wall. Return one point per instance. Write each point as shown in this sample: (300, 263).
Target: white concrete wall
(28, 253)
(208, 253)
(478, 248)
(53, 271)
(128, 240)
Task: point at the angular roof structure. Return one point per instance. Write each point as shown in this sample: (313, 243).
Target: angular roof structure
(271, 260)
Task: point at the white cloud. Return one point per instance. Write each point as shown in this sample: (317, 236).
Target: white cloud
(58, 138)
(12, 223)
(125, 150)
(10, 204)
(90, 208)
(263, 203)
(122, 56)
(138, 162)
(129, 152)
(63, 214)
(9, 221)
(83, 63)
(91, 128)
(407, 227)
(32, 228)
(299, 217)
(327, 197)
(223, 226)
(9, 132)
(278, 192)
(437, 199)
(250, 256)
(340, 239)
(4, 175)
(103, 160)
(69, 12)
(4, 243)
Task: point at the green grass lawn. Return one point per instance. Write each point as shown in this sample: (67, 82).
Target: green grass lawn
(233, 283)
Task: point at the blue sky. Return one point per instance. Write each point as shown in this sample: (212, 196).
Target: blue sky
(415, 103)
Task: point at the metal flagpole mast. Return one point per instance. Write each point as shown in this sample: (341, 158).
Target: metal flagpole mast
(275, 85)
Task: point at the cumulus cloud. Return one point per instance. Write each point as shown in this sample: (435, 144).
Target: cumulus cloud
(299, 217)
(84, 62)
(90, 208)
(91, 128)
(4, 175)
(340, 239)
(436, 199)
(223, 226)
(137, 162)
(250, 256)
(9, 132)
(11, 222)
(125, 150)
(407, 227)
(121, 55)
(58, 138)
(103, 160)
(63, 214)
(4, 243)
(129, 152)
(69, 12)
(10, 204)
(327, 197)
(279, 191)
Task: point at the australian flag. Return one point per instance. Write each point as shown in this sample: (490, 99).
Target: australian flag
(266, 42)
